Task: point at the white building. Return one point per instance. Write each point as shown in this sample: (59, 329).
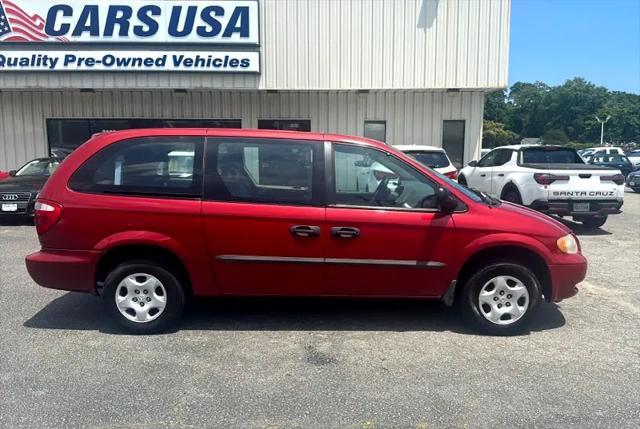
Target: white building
(404, 71)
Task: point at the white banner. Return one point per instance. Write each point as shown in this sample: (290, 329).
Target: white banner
(230, 22)
(186, 61)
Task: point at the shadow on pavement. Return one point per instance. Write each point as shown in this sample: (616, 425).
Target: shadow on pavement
(580, 229)
(16, 221)
(75, 311)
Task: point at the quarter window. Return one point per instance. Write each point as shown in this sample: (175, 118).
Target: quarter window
(371, 178)
(159, 166)
(268, 171)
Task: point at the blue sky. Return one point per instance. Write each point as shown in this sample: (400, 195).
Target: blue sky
(555, 40)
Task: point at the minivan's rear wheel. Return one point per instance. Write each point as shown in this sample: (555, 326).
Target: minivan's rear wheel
(143, 298)
(594, 221)
(500, 298)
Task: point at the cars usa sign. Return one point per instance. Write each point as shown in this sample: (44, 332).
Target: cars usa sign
(218, 22)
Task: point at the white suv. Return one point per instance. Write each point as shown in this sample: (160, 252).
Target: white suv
(551, 179)
(433, 157)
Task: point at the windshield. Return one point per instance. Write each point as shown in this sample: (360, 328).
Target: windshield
(38, 167)
(550, 155)
(433, 159)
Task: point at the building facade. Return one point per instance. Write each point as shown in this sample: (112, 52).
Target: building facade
(402, 71)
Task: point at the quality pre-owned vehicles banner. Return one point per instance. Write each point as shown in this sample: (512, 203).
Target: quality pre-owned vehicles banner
(222, 22)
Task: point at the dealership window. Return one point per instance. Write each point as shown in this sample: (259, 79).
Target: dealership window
(370, 178)
(65, 135)
(157, 166)
(257, 170)
(453, 141)
(376, 130)
(285, 124)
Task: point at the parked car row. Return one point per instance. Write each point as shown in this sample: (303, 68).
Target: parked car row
(145, 218)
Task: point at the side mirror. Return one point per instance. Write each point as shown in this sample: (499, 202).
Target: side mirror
(12, 173)
(473, 164)
(447, 203)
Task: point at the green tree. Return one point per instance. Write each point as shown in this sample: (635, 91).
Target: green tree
(555, 137)
(494, 134)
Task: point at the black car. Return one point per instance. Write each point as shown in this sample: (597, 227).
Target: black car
(615, 161)
(19, 191)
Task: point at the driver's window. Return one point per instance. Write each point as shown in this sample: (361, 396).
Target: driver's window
(371, 178)
(488, 159)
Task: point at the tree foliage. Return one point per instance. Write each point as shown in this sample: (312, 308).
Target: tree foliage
(563, 113)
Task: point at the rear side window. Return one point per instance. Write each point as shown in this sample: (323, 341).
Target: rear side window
(550, 155)
(156, 166)
(433, 159)
(264, 171)
(503, 156)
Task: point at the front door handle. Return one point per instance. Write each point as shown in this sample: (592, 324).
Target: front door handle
(345, 232)
(305, 230)
(483, 175)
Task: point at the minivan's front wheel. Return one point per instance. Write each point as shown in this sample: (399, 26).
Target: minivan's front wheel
(500, 298)
(143, 298)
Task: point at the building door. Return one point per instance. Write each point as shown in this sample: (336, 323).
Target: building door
(453, 141)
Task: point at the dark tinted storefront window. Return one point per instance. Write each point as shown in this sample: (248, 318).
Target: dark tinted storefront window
(453, 141)
(285, 124)
(67, 134)
(376, 130)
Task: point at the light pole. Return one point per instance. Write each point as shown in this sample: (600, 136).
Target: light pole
(602, 127)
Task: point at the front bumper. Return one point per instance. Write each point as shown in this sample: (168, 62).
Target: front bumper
(24, 203)
(72, 270)
(566, 207)
(565, 278)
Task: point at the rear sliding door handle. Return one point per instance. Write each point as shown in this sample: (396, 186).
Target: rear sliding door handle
(305, 230)
(345, 232)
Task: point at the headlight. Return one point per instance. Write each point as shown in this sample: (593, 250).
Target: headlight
(568, 244)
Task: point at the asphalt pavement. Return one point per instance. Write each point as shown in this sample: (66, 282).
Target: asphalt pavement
(290, 363)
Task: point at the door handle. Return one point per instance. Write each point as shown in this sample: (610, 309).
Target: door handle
(483, 175)
(501, 175)
(305, 230)
(345, 232)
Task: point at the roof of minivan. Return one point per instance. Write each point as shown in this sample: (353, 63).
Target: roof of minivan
(409, 147)
(243, 132)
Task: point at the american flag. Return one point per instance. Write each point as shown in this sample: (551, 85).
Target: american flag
(16, 25)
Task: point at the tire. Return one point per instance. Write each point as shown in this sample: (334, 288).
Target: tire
(512, 195)
(594, 221)
(132, 284)
(518, 306)
(462, 180)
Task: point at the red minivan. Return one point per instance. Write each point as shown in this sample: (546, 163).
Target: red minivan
(145, 218)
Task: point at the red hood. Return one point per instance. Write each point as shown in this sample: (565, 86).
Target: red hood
(543, 224)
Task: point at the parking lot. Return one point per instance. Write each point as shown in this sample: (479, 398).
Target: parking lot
(275, 363)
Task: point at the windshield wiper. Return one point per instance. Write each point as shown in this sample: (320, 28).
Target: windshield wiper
(489, 200)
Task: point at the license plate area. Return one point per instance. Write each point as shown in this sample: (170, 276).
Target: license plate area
(581, 207)
(9, 207)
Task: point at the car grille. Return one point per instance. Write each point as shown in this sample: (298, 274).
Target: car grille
(12, 197)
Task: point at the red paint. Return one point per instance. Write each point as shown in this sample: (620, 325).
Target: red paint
(3, 174)
(199, 232)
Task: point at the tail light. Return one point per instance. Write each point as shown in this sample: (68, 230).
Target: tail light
(618, 179)
(547, 178)
(47, 214)
(453, 175)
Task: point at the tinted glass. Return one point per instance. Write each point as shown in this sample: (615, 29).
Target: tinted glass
(38, 168)
(433, 159)
(268, 171)
(146, 166)
(285, 124)
(376, 130)
(502, 157)
(371, 178)
(545, 155)
(453, 141)
(488, 160)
